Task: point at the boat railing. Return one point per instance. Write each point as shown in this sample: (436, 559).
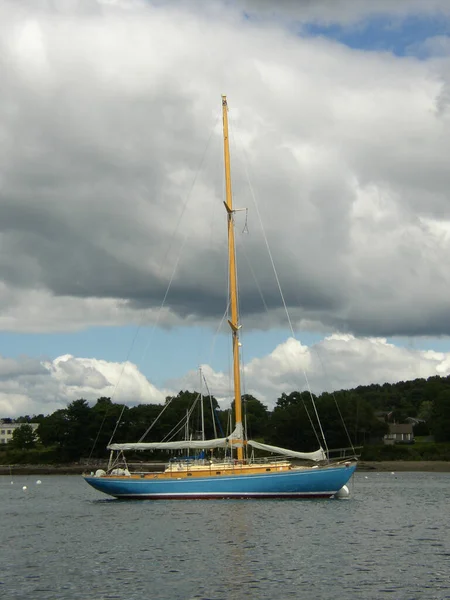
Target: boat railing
(342, 453)
(269, 459)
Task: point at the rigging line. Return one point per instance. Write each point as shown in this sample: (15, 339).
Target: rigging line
(188, 414)
(181, 424)
(242, 367)
(345, 426)
(238, 300)
(211, 403)
(174, 432)
(214, 209)
(186, 237)
(213, 416)
(152, 331)
(202, 409)
(194, 181)
(255, 279)
(141, 439)
(318, 421)
(213, 341)
(252, 192)
(98, 435)
(311, 422)
(336, 402)
(243, 374)
(245, 230)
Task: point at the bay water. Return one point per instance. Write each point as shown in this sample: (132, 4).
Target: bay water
(63, 540)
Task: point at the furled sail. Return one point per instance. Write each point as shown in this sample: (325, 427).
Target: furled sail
(234, 440)
(315, 456)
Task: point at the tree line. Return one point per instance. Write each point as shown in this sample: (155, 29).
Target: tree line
(358, 416)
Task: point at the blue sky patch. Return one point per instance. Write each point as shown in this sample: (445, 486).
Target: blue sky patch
(401, 37)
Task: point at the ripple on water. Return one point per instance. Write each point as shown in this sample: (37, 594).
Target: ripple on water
(65, 542)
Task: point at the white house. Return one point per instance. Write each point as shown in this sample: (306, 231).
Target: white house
(7, 430)
(399, 432)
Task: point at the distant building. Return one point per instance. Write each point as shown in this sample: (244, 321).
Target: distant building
(399, 433)
(7, 430)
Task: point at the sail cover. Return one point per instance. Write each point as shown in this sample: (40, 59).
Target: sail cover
(234, 440)
(316, 456)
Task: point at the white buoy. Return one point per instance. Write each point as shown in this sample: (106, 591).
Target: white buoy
(12, 482)
(365, 477)
(392, 473)
(24, 487)
(38, 482)
(344, 492)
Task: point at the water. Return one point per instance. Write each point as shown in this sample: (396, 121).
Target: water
(63, 540)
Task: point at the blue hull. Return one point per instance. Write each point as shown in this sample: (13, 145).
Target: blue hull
(315, 483)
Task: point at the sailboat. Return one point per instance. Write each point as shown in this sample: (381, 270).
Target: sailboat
(239, 474)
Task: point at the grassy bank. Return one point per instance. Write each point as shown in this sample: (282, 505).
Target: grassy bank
(420, 451)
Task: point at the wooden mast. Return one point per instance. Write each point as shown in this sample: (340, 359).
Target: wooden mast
(234, 321)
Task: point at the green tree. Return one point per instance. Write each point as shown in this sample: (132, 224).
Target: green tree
(69, 430)
(23, 438)
(347, 416)
(106, 418)
(425, 410)
(290, 425)
(256, 416)
(53, 429)
(78, 442)
(440, 417)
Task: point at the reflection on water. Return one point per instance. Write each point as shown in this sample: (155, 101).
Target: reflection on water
(63, 540)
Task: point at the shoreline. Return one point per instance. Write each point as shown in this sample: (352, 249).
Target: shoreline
(430, 466)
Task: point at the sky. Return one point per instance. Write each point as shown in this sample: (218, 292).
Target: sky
(113, 276)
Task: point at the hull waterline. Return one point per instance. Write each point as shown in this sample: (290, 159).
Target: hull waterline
(313, 483)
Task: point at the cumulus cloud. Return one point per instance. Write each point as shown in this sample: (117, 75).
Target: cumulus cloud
(339, 361)
(434, 46)
(104, 121)
(32, 386)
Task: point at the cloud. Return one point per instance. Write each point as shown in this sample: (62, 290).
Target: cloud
(339, 361)
(32, 386)
(326, 12)
(434, 46)
(345, 10)
(39, 311)
(105, 198)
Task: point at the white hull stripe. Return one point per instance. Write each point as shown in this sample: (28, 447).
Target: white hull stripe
(227, 494)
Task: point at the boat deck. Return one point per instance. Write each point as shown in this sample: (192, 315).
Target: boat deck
(181, 471)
